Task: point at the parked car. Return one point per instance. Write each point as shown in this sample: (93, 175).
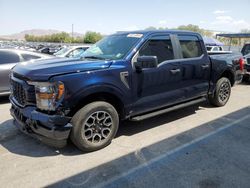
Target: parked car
(214, 48)
(128, 75)
(8, 59)
(71, 51)
(246, 49)
(247, 67)
(246, 53)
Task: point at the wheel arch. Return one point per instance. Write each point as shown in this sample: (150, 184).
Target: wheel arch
(110, 95)
(230, 75)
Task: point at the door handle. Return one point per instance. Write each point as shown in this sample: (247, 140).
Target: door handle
(175, 71)
(205, 66)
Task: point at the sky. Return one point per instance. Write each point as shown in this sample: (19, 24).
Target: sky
(109, 16)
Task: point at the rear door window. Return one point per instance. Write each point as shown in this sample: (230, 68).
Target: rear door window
(8, 57)
(190, 46)
(161, 48)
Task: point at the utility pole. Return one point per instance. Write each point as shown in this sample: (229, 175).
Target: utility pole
(72, 33)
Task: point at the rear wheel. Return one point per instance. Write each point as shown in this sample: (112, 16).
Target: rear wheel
(94, 126)
(222, 92)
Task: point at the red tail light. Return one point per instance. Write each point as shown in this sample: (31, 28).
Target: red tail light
(241, 62)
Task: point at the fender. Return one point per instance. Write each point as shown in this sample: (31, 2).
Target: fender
(100, 88)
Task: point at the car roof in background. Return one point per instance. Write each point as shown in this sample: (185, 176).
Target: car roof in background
(18, 51)
(81, 46)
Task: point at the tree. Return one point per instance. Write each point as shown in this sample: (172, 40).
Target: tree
(92, 37)
(195, 28)
(151, 28)
(155, 28)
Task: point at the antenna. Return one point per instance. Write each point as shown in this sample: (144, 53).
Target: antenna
(72, 33)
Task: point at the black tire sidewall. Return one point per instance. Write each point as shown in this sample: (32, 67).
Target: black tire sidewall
(80, 118)
(216, 100)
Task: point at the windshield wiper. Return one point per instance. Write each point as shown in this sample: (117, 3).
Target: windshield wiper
(93, 57)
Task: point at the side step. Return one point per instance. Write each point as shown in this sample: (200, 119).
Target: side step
(172, 108)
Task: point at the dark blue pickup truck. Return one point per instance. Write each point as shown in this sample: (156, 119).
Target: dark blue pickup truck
(128, 75)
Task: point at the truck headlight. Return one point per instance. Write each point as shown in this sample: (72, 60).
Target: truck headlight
(48, 94)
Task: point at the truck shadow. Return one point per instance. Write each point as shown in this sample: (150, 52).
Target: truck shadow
(18, 143)
(129, 128)
(201, 157)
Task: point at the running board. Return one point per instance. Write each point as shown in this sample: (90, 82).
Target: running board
(172, 108)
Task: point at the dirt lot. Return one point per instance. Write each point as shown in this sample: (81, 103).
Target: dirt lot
(199, 146)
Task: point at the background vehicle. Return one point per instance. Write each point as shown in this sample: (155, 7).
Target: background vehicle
(48, 50)
(8, 59)
(71, 51)
(128, 75)
(214, 48)
(246, 53)
(246, 49)
(210, 41)
(247, 67)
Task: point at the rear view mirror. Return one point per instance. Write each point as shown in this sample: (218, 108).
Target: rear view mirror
(144, 62)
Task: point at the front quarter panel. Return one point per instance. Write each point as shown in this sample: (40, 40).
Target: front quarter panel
(82, 84)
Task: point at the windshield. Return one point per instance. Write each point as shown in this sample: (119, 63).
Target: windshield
(112, 47)
(62, 51)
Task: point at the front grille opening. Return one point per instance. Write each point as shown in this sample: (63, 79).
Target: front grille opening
(18, 92)
(22, 93)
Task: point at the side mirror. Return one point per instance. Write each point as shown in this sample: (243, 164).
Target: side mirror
(145, 62)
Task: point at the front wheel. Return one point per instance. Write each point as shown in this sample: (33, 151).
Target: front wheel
(222, 92)
(94, 126)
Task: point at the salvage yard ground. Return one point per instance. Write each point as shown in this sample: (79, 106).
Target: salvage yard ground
(199, 146)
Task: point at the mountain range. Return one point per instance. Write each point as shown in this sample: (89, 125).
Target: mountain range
(36, 32)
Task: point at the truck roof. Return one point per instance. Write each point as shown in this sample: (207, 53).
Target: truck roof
(148, 32)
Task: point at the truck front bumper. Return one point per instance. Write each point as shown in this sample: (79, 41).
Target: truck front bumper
(53, 130)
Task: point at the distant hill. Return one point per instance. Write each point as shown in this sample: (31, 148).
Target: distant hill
(36, 32)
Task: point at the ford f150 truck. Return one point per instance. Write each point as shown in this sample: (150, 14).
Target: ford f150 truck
(128, 75)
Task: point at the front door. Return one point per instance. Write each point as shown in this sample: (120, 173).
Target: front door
(158, 87)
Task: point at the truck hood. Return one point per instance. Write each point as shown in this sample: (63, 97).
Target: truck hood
(42, 70)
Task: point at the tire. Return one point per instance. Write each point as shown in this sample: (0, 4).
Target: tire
(94, 126)
(222, 92)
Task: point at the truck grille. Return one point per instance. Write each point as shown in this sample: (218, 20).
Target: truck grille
(22, 93)
(18, 92)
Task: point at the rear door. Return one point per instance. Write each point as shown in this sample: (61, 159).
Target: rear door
(195, 66)
(7, 61)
